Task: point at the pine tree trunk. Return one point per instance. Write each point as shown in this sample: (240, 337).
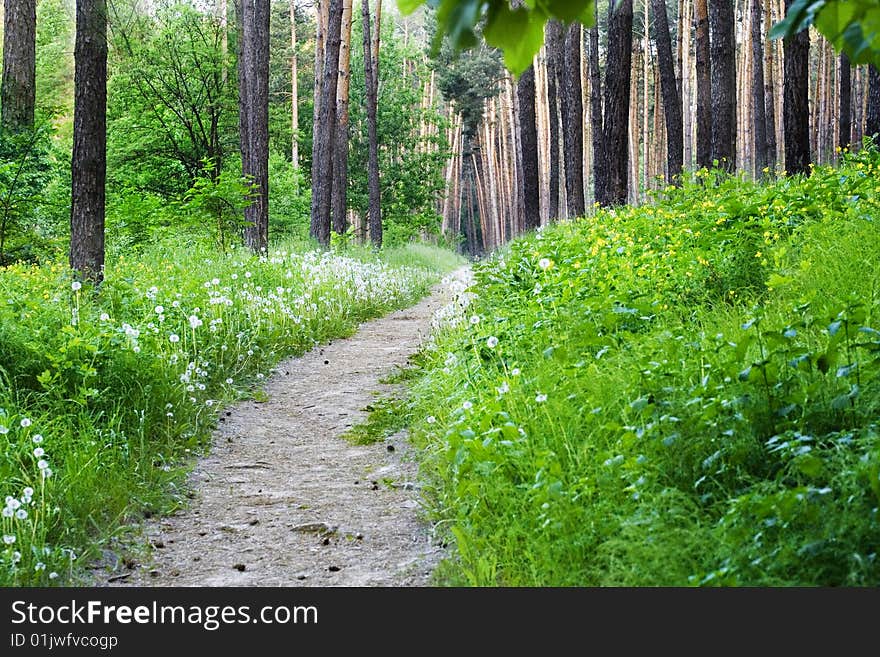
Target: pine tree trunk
(525, 91)
(294, 90)
(669, 88)
(704, 85)
(872, 113)
(845, 119)
(18, 91)
(596, 123)
(572, 122)
(555, 73)
(723, 58)
(339, 203)
(758, 106)
(769, 91)
(256, 39)
(618, 76)
(371, 77)
(89, 160)
(324, 128)
(796, 109)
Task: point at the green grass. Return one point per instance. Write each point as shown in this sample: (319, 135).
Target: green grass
(116, 389)
(385, 417)
(684, 393)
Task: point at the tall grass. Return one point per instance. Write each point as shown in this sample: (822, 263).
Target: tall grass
(103, 394)
(684, 393)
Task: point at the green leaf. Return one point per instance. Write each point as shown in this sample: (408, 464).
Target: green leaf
(823, 363)
(518, 33)
(409, 6)
(572, 10)
(810, 465)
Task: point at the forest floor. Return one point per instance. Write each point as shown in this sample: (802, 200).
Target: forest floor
(284, 500)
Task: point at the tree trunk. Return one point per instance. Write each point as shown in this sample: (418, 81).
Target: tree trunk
(340, 136)
(255, 23)
(555, 73)
(324, 128)
(669, 87)
(89, 161)
(573, 121)
(596, 123)
(19, 64)
(845, 119)
(618, 76)
(371, 76)
(758, 106)
(796, 108)
(294, 90)
(704, 85)
(872, 114)
(723, 58)
(525, 91)
(769, 91)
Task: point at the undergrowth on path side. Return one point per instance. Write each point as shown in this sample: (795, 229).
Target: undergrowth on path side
(683, 393)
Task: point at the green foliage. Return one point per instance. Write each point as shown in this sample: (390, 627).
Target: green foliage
(519, 33)
(385, 417)
(684, 393)
(105, 395)
(852, 26)
(25, 171)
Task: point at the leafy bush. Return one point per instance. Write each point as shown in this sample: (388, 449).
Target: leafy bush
(684, 393)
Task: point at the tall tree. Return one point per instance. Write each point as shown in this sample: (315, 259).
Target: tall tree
(573, 122)
(770, 90)
(796, 108)
(294, 89)
(254, 72)
(845, 111)
(596, 122)
(669, 88)
(872, 113)
(618, 76)
(758, 106)
(324, 127)
(722, 45)
(703, 64)
(525, 93)
(18, 93)
(555, 55)
(89, 159)
(339, 203)
(371, 77)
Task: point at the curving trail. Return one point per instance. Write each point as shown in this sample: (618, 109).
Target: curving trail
(282, 500)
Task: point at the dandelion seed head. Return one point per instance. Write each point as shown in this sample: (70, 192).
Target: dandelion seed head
(37, 438)
(3, 430)
(492, 342)
(42, 464)
(545, 263)
(540, 398)
(39, 451)
(75, 286)
(430, 419)
(159, 310)
(25, 423)
(467, 406)
(105, 317)
(8, 539)
(21, 514)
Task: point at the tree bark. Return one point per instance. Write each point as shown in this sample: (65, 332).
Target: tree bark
(618, 76)
(324, 128)
(796, 108)
(89, 159)
(256, 74)
(723, 64)
(555, 74)
(704, 85)
(758, 106)
(18, 92)
(769, 91)
(294, 90)
(525, 91)
(371, 76)
(340, 136)
(596, 122)
(572, 122)
(845, 118)
(669, 88)
(872, 113)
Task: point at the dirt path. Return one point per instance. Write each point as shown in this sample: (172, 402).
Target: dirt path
(282, 500)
